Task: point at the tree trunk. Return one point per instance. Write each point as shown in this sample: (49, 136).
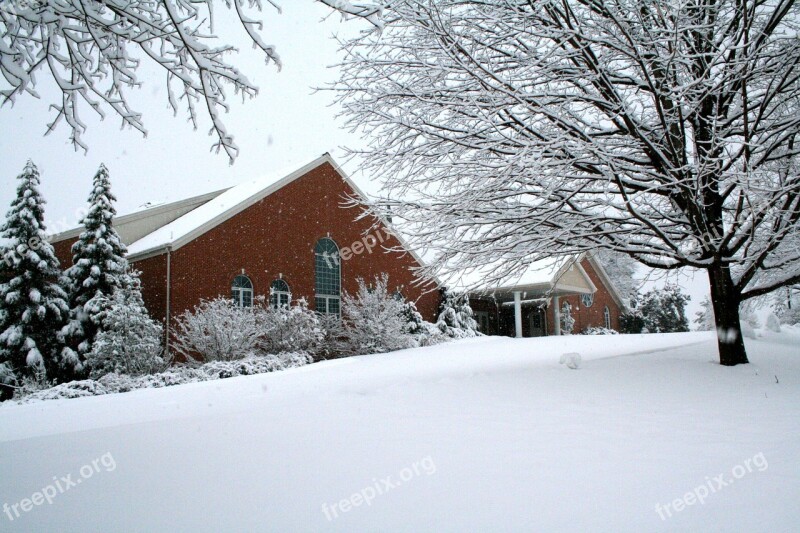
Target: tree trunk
(725, 301)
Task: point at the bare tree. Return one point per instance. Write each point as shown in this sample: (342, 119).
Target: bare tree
(515, 130)
(93, 50)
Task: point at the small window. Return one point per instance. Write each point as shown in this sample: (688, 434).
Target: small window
(587, 299)
(279, 294)
(607, 317)
(242, 291)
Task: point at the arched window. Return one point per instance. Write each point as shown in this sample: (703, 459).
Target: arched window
(279, 294)
(607, 317)
(327, 277)
(242, 291)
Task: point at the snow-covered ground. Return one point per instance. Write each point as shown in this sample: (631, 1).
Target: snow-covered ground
(489, 434)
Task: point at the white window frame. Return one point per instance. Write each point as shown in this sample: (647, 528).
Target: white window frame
(607, 317)
(587, 299)
(238, 293)
(276, 295)
(322, 301)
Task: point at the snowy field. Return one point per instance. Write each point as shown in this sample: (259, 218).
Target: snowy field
(488, 434)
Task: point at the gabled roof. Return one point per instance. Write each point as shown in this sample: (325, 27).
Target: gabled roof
(228, 204)
(134, 226)
(546, 276)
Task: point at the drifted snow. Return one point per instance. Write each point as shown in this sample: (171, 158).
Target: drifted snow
(519, 443)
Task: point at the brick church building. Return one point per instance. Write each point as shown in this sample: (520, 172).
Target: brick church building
(291, 237)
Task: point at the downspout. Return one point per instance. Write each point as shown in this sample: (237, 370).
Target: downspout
(167, 310)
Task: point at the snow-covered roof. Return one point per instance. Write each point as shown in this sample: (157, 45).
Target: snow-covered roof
(229, 203)
(539, 273)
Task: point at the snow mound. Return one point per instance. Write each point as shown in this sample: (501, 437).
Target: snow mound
(571, 359)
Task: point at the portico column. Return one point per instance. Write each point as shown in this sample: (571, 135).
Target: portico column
(517, 314)
(557, 315)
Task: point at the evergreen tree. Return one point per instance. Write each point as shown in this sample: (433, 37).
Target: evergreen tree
(455, 316)
(98, 268)
(33, 306)
(129, 341)
(705, 317)
(664, 310)
(413, 319)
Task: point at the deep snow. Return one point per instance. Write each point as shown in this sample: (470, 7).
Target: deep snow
(487, 434)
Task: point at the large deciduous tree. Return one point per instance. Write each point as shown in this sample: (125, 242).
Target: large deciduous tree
(514, 130)
(93, 50)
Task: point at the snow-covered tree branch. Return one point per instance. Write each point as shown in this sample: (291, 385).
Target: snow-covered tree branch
(507, 132)
(93, 51)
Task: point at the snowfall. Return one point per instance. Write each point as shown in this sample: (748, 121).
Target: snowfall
(649, 433)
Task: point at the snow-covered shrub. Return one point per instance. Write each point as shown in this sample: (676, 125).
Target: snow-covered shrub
(289, 329)
(179, 375)
(773, 323)
(333, 342)
(748, 332)
(373, 319)
(594, 330)
(455, 316)
(217, 330)
(567, 322)
(129, 341)
(631, 322)
(8, 380)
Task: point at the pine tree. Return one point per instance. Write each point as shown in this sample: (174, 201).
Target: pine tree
(455, 316)
(129, 341)
(98, 268)
(33, 306)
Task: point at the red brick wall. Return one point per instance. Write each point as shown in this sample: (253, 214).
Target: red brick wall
(589, 316)
(275, 236)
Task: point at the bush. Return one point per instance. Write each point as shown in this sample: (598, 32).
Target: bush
(289, 329)
(632, 322)
(115, 383)
(599, 331)
(373, 320)
(217, 330)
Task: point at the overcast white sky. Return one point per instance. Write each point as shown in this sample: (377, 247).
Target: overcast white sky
(284, 127)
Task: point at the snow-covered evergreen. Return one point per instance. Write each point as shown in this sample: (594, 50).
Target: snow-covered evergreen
(664, 310)
(129, 342)
(98, 269)
(413, 319)
(455, 316)
(704, 319)
(33, 306)
(373, 319)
